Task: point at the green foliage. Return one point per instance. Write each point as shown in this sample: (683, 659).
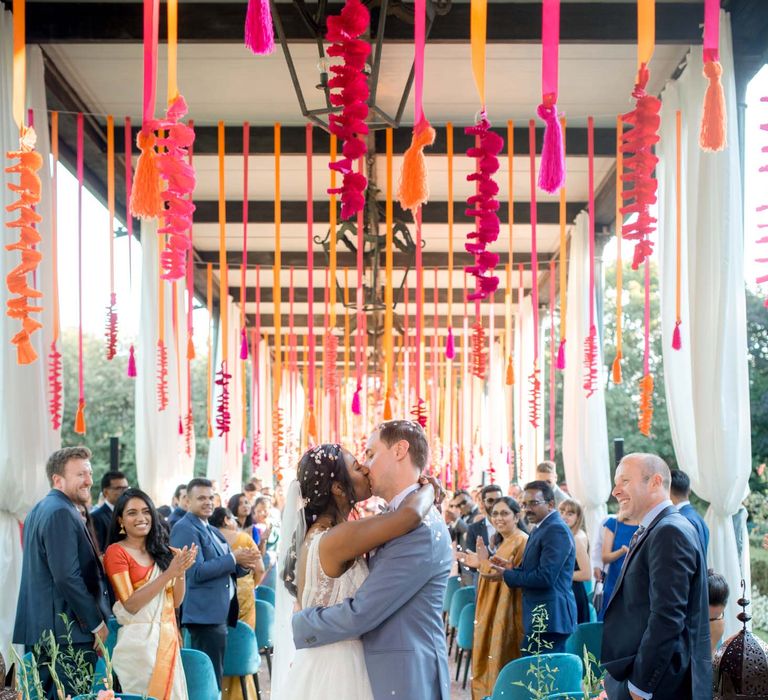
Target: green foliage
(543, 683)
(757, 348)
(110, 406)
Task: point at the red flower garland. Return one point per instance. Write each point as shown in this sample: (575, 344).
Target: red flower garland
(28, 191)
(534, 396)
(162, 376)
(55, 386)
(478, 358)
(483, 207)
(639, 164)
(351, 80)
(110, 334)
(222, 407)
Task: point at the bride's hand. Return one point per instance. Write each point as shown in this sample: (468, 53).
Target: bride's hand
(425, 480)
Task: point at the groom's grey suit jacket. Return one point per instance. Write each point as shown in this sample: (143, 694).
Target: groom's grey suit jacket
(397, 613)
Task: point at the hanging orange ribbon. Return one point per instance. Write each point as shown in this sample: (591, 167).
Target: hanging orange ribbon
(477, 33)
(389, 301)
(111, 320)
(54, 356)
(646, 31)
(209, 374)
(80, 425)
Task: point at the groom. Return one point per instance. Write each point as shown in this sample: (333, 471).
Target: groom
(397, 611)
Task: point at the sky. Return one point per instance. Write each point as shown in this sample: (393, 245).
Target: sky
(127, 286)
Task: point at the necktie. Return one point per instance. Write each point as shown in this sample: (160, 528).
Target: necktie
(638, 534)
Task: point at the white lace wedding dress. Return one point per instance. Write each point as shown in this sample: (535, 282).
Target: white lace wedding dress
(333, 671)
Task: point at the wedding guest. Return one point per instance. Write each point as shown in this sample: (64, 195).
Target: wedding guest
(459, 514)
(113, 484)
(179, 504)
(148, 580)
(211, 601)
(617, 534)
(85, 514)
(573, 515)
(499, 613)
(718, 592)
(547, 471)
(242, 510)
(546, 571)
(269, 532)
(482, 526)
(680, 494)
(61, 575)
(237, 538)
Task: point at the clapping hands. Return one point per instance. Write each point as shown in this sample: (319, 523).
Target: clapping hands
(248, 558)
(182, 559)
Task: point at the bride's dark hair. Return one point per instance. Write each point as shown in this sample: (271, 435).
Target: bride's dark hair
(318, 469)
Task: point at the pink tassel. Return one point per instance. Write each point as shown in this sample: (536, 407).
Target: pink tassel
(450, 350)
(552, 168)
(676, 341)
(259, 33)
(243, 345)
(242, 446)
(181, 427)
(131, 363)
(561, 355)
(356, 401)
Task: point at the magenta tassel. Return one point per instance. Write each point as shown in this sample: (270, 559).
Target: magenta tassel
(561, 355)
(552, 168)
(181, 427)
(356, 401)
(450, 350)
(676, 341)
(242, 446)
(259, 34)
(131, 363)
(243, 345)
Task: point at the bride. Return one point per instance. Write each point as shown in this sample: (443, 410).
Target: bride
(322, 564)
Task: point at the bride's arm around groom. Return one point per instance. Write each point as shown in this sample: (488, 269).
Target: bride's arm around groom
(397, 610)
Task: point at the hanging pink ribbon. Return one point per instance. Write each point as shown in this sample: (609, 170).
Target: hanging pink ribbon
(552, 344)
(310, 275)
(711, 30)
(151, 32)
(356, 400)
(128, 138)
(590, 345)
(534, 391)
(552, 168)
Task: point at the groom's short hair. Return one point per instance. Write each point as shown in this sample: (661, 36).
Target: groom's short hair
(393, 431)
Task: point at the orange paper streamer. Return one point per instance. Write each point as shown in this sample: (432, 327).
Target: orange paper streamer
(646, 31)
(478, 25)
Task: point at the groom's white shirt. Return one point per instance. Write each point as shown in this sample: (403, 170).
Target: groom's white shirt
(394, 504)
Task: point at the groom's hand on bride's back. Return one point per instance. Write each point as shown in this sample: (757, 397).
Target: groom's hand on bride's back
(426, 480)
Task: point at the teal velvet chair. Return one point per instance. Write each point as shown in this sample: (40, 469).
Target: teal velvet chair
(464, 639)
(265, 629)
(567, 676)
(242, 657)
(201, 679)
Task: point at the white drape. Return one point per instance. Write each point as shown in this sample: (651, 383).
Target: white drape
(528, 440)
(225, 457)
(706, 382)
(585, 433)
(26, 435)
(161, 459)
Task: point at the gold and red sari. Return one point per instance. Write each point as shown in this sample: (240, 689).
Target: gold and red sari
(147, 657)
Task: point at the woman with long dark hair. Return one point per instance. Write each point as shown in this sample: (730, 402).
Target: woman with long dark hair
(148, 579)
(241, 508)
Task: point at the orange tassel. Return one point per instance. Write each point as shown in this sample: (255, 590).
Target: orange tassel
(80, 418)
(646, 405)
(210, 430)
(713, 120)
(146, 202)
(190, 350)
(510, 372)
(616, 368)
(414, 189)
(387, 407)
(312, 425)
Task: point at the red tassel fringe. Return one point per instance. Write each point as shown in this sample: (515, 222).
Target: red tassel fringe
(110, 334)
(419, 413)
(590, 362)
(162, 376)
(222, 405)
(478, 357)
(534, 397)
(131, 363)
(54, 386)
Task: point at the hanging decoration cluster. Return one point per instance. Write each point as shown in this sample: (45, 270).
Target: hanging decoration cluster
(223, 417)
(352, 84)
(713, 115)
(552, 167)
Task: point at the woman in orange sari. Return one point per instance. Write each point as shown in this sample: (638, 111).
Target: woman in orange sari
(499, 608)
(148, 580)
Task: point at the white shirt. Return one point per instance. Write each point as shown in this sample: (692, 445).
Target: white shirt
(682, 504)
(394, 504)
(109, 505)
(490, 528)
(224, 549)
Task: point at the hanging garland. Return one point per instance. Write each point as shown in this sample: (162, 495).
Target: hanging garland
(223, 375)
(637, 145)
(479, 357)
(389, 301)
(350, 78)
(54, 356)
(563, 260)
(590, 344)
(128, 139)
(110, 332)
(552, 168)
(712, 136)
(534, 381)
(28, 193)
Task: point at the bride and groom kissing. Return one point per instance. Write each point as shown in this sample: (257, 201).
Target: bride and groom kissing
(359, 606)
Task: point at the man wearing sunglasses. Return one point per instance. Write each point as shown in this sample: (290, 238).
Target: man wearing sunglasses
(546, 571)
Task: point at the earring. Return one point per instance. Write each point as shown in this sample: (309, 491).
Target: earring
(122, 529)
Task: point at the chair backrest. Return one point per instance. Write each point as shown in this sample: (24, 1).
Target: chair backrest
(464, 596)
(122, 696)
(566, 696)
(242, 655)
(111, 639)
(28, 689)
(454, 583)
(265, 624)
(199, 674)
(265, 593)
(466, 629)
(566, 669)
(589, 634)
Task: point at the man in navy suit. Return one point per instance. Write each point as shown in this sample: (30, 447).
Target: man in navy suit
(210, 603)
(680, 493)
(113, 484)
(656, 628)
(179, 505)
(546, 572)
(61, 573)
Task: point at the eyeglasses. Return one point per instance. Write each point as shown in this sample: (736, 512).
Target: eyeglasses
(719, 617)
(491, 500)
(530, 504)
(118, 488)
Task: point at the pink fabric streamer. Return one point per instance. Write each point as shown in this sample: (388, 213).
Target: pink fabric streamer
(484, 207)
(179, 175)
(310, 273)
(151, 31)
(711, 30)
(450, 347)
(420, 21)
(552, 167)
(552, 341)
(350, 79)
(550, 40)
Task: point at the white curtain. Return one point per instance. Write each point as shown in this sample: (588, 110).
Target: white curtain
(585, 434)
(706, 382)
(161, 459)
(528, 440)
(26, 435)
(225, 457)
